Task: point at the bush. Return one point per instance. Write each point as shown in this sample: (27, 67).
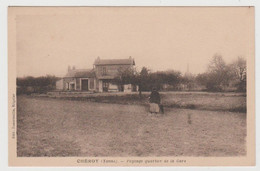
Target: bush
(29, 85)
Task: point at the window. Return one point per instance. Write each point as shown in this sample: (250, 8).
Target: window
(91, 83)
(104, 71)
(72, 86)
(67, 86)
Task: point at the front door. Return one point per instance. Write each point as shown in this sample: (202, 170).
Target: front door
(105, 86)
(72, 86)
(84, 85)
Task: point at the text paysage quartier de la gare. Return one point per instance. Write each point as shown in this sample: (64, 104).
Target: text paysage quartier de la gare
(134, 161)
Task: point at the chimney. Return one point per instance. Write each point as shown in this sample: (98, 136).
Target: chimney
(69, 69)
(73, 68)
(97, 60)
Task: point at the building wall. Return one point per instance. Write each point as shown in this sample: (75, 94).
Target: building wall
(113, 88)
(96, 83)
(110, 70)
(91, 83)
(68, 80)
(78, 83)
(127, 87)
(59, 84)
(100, 87)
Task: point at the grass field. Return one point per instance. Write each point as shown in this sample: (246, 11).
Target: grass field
(61, 127)
(233, 102)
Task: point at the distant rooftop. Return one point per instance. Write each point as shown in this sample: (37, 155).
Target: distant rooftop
(128, 61)
(80, 73)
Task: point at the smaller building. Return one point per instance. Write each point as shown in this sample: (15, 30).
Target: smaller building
(77, 79)
(59, 84)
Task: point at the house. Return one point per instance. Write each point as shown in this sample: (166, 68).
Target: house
(99, 79)
(107, 69)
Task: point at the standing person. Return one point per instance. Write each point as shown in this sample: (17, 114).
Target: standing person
(155, 102)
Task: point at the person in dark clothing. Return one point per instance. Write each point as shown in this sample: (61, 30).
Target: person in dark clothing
(155, 98)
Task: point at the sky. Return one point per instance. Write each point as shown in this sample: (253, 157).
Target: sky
(160, 38)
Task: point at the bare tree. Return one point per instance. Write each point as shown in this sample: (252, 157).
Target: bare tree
(239, 67)
(218, 73)
(238, 71)
(217, 64)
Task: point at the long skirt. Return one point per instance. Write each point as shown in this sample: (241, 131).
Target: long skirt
(154, 108)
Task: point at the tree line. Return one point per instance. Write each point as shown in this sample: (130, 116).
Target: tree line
(43, 84)
(218, 77)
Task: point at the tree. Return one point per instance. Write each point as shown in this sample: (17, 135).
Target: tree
(218, 75)
(146, 80)
(36, 84)
(189, 80)
(238, 71)
(173, 78)
(125, 76)
(143, 80)
(132, 76)
(217, 64)
(202, 79)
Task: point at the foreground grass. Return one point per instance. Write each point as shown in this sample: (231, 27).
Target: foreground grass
(56, 127)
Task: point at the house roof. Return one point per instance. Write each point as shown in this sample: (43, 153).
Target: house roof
(129, 61)
(106, 77)
(80, 73)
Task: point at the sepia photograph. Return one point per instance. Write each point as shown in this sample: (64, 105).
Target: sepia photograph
(131, 86)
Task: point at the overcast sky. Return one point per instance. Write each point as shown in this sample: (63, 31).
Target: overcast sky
(160, 38)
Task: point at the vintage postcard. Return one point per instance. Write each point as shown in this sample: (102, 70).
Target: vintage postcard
(131, 86)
